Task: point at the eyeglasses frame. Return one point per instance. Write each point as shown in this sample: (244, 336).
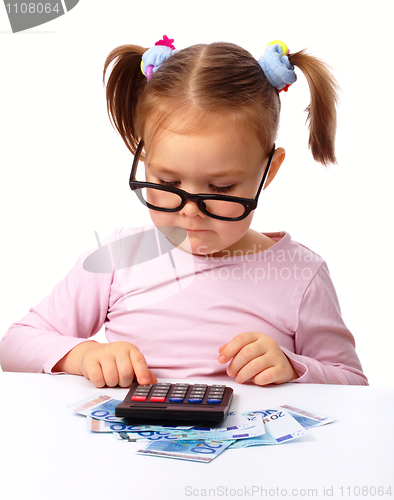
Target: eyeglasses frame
(249, 204)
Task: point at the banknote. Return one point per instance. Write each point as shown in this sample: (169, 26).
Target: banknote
(308, 418)
(98, 406)
(97, 425)
(234, 421)
(265, 439)
(255, 428)
(280, 424)
(146, 435)
(195, 451)
(127, 437)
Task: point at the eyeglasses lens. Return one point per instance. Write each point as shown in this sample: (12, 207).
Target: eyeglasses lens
(158, 198)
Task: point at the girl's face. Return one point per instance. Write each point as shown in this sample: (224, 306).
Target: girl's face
(221, 161)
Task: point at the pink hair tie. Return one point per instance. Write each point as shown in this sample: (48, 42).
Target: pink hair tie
(165, 42)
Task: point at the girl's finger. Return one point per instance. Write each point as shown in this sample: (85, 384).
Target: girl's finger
(236, 344)
(94, 373)
(125, 369)
(140, 367)
(250, 369)
(110, 372)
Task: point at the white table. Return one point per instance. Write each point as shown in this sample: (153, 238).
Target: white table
(47, 452)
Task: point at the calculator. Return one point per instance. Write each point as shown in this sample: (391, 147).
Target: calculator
(180, 402)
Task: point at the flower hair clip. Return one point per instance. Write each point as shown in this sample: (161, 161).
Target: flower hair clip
(156, 55)
(276, 66)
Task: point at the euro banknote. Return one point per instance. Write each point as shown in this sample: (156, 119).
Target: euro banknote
(254, 428)
(308, 418)
(195, 451)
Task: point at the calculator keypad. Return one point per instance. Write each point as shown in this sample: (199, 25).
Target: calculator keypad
(215, 394)
(174, 403)
(157, 393)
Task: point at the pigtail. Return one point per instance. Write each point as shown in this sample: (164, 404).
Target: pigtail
(322, 116)
(124, 88)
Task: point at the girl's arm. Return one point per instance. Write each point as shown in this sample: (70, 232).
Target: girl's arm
(325, 348)
(73, 312)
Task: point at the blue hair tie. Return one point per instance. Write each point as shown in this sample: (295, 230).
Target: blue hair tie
(154, 57)
(276, 66)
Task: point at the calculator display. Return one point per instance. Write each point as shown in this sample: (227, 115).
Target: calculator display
(176, 402)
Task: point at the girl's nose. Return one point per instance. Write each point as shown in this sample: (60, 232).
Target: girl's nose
(191, 210)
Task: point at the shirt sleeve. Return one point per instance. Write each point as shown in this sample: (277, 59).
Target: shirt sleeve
(73, 312)
(324, 347)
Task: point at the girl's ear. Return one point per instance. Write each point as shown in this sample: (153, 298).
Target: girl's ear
(277, 161)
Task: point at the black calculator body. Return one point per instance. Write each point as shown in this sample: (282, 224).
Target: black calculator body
(179, 402)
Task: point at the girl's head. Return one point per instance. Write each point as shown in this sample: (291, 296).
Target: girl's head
(204, 86)
(206, 109)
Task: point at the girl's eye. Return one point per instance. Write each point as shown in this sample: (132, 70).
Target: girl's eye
(222, 189)
(168, 183)
(216, 189)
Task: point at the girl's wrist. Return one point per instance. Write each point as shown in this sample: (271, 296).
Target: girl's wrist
(70, 362)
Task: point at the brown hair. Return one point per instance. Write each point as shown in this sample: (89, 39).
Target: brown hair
(219, 80)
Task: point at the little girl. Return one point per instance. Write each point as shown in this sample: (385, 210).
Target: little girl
(199, 293)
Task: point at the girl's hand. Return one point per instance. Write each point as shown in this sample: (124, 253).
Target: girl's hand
(258, 357)
(109, 365)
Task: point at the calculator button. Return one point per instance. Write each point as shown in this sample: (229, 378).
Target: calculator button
(176, 400)
(138, 398)
(195, 400)
(214, 401)
(157, 398)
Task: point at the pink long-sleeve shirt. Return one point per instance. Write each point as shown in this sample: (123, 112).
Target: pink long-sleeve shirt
(178, 309)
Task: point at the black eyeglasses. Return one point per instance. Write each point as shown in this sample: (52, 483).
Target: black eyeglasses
(171, 199)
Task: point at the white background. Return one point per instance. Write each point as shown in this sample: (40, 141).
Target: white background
(64, 169)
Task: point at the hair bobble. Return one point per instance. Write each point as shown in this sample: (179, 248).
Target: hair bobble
(156, 55)
(277, 67)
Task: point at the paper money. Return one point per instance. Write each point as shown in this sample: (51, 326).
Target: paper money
(195, 451)
(143, 436)
(127, 437)
(98, 406)
(280, 424)
(308, 418)
(202, 444)
(255, 428)
(233, 421)
(265, 439)
(96, 425)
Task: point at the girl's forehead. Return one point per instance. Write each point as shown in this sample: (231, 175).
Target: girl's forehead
(214, 135)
